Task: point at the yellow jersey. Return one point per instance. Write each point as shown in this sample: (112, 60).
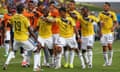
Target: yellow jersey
(107, 20)
(87, 27)
(66, 26)
(45, 28)
(20, 26)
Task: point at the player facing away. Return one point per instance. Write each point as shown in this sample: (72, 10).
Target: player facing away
(87, 35)
(21, 27)
(108, 22)
(66, 37)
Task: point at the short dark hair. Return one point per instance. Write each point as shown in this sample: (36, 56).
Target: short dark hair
(107, 3)
(72, 1)
(52, 2)
(62, 9)
(40, 3)
(31, 1)
(85, 7)
(20, 8)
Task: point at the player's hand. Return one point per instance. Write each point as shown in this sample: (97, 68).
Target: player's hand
(79, 40)
(38, 47)
(112, 29)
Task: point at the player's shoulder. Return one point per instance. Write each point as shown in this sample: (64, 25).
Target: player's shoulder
(6, 16)
(101, 12)
(92, 16)
(75, 11)
(69, 18)
(112, 12)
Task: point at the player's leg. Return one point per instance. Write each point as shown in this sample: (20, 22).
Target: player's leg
(72, 55)
(58, 56)
(84, 49)
(49, 45)
(28, 47)
(59, 51)
(24, 55)
(90, 56)
(110, 41)
(72, 43)
(54, 38)
(26, 59)
(11, 54)
(104, 46)
(79, 53)
(80, 56)
(66, 55)
(7, 43)
(89, 50)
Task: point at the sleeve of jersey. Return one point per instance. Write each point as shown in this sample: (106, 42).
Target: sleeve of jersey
(99, 17)
(72, 22)
(114, 17)
(27, 22)
(80, 19)
(96, 19)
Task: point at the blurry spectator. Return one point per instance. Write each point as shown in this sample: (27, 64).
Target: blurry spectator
(1, 31)
(118, 32)
(3, 9)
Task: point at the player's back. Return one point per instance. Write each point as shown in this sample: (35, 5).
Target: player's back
(20, 26)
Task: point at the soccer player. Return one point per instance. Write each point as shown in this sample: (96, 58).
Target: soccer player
(108, 22)
(7, 17)
(74, 14)
(33, 15)
(45, 34)
(66, 37)
(87, 35)
(21, 27)
(55, 28)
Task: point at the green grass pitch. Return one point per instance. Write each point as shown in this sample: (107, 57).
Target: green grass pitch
(98, 61)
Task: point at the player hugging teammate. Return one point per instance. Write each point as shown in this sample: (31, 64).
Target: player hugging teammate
(59, 30)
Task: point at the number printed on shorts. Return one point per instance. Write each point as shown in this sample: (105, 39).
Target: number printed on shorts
(17, 25)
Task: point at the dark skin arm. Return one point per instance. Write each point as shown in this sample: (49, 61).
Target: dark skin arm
(35, 38)
(114, 26)
(77, 34)
(100, 26)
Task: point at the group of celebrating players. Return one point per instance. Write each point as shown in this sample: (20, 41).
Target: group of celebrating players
(58, 30)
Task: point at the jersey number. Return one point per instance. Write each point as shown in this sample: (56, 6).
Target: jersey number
(17, 26)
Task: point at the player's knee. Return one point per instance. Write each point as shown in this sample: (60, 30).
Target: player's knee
(58, 49)
(104, 48)
(110, 46)
(77, 50)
